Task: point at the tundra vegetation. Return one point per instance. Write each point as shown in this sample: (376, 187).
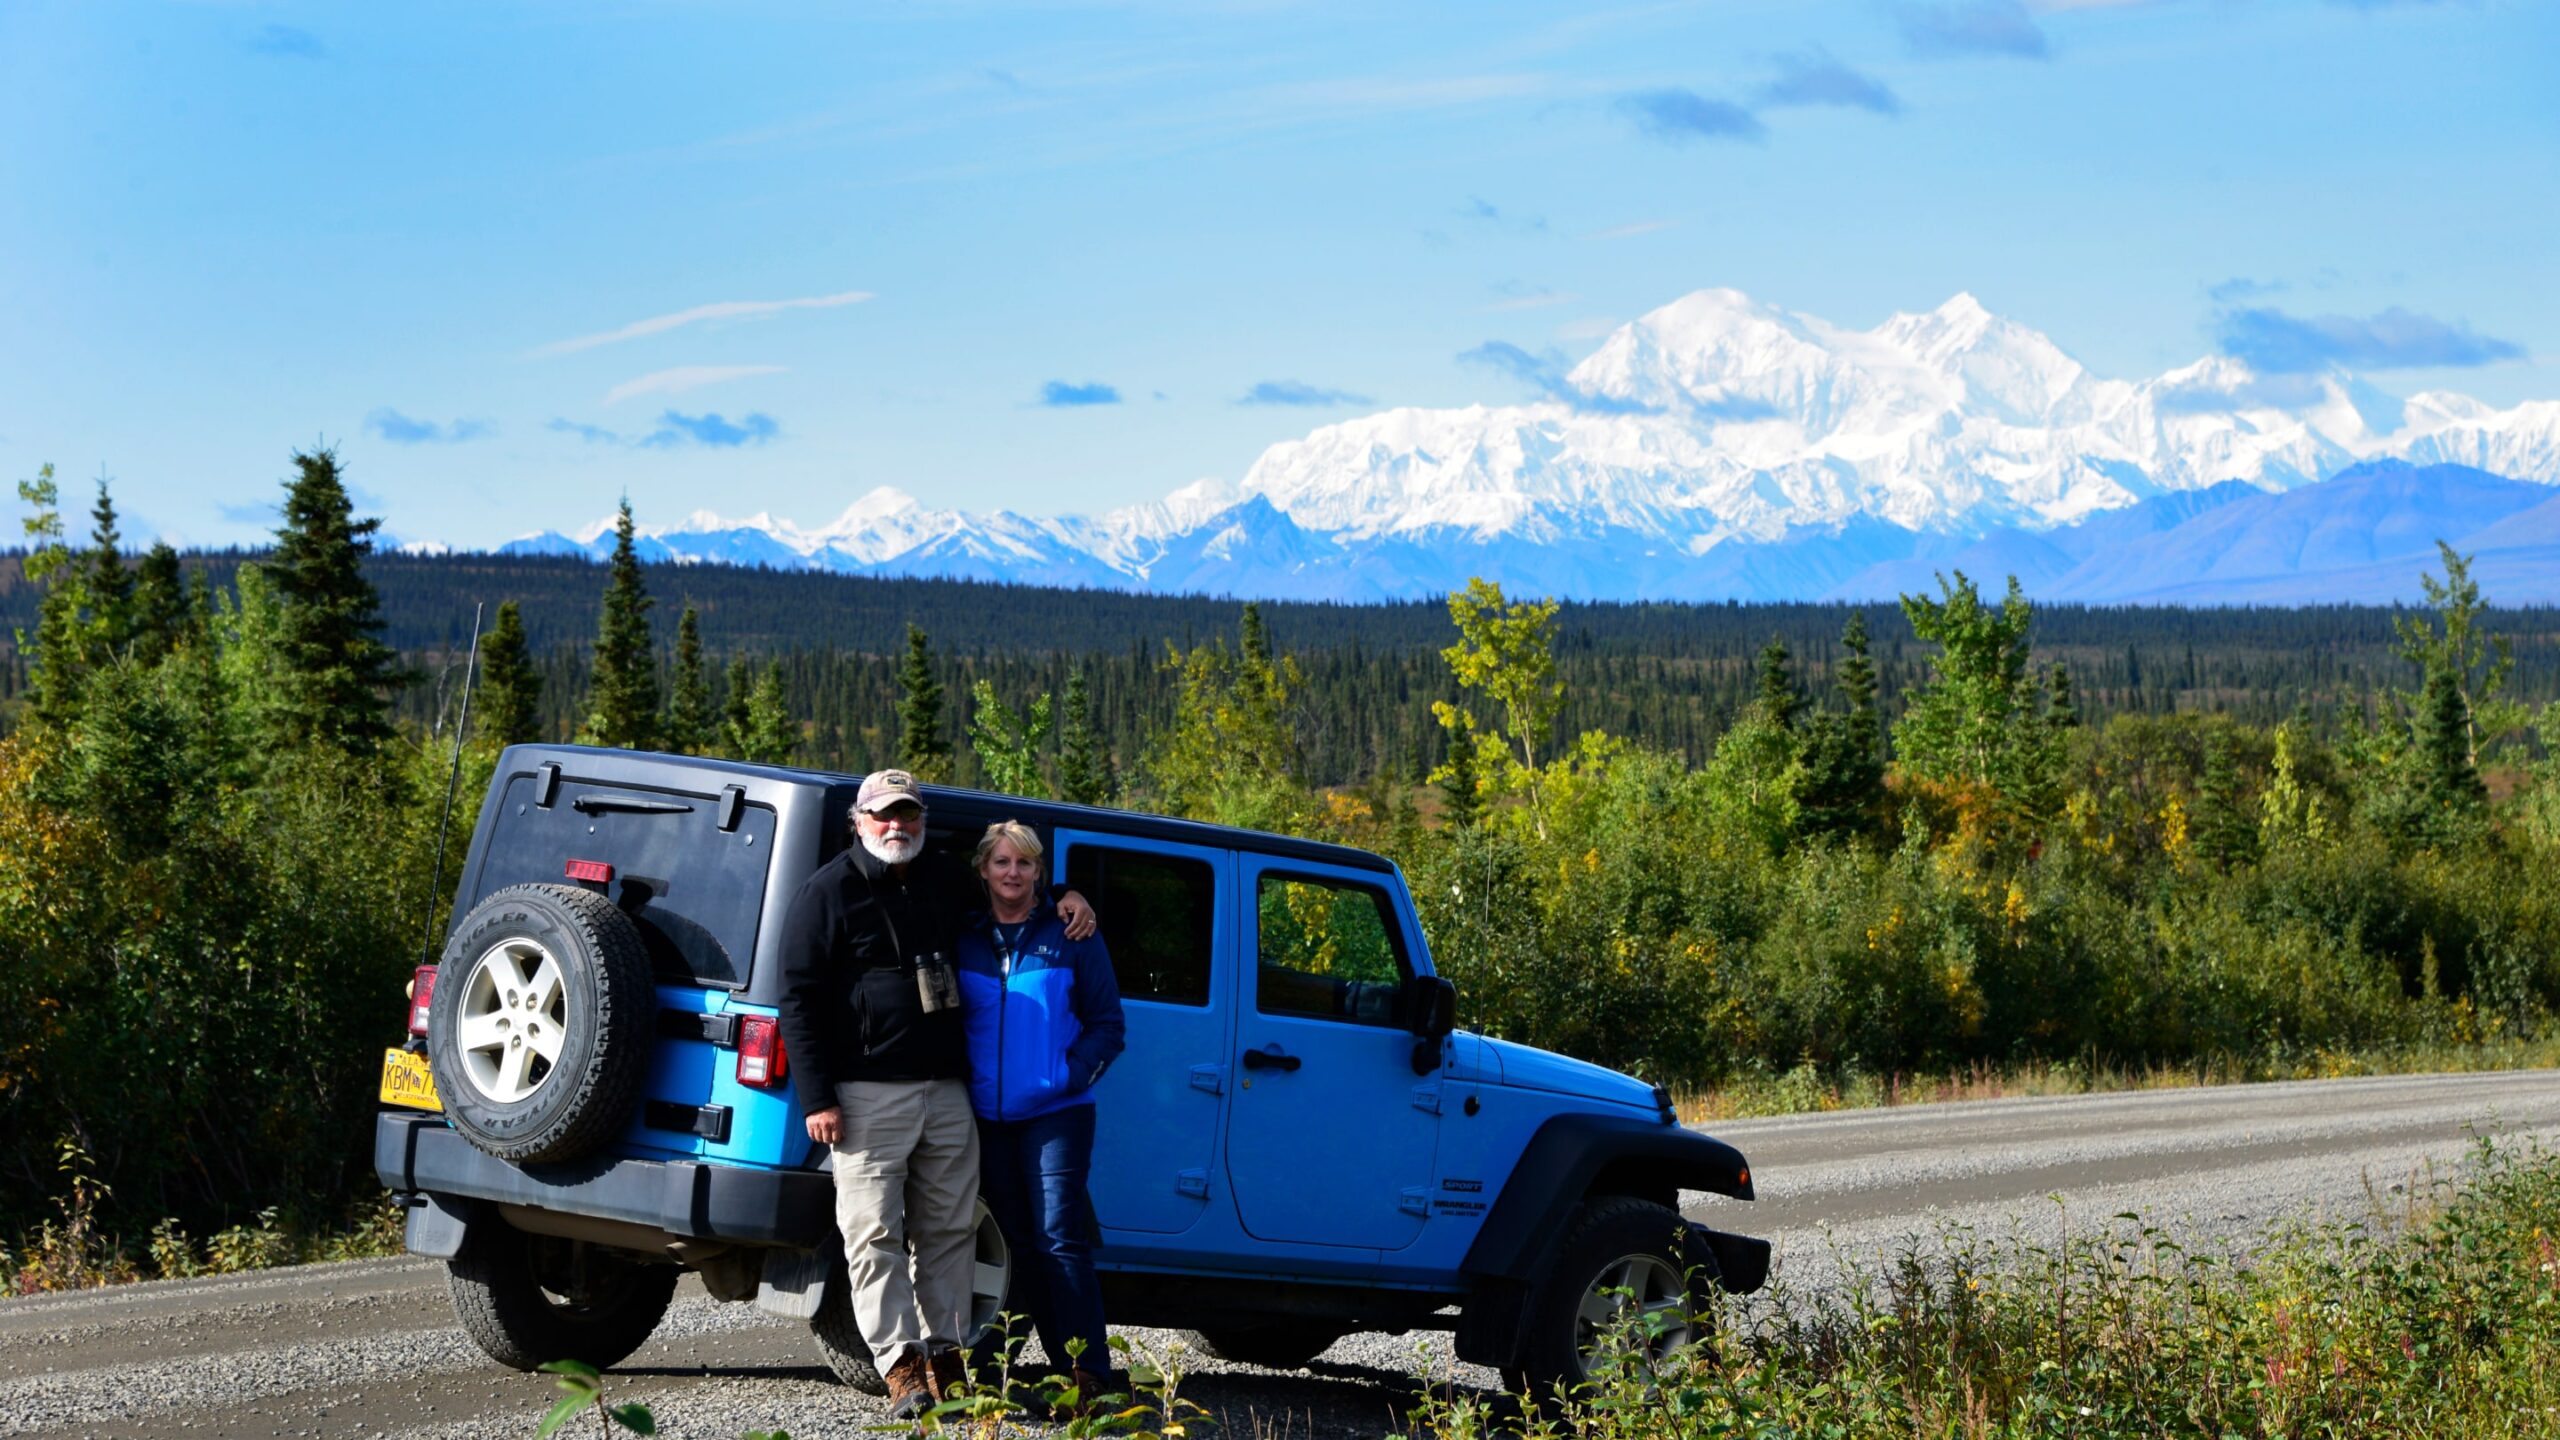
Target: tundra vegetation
(219, 804)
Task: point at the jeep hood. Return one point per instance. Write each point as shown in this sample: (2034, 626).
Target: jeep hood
(1525, 1068)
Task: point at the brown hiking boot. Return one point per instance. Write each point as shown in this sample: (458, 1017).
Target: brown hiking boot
(1091, 1389)
(910, 1386)
(945, 1374)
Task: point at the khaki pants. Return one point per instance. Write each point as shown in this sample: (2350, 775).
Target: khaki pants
(907, 1175)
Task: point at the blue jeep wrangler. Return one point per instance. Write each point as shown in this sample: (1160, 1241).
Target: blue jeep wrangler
(594, 1096)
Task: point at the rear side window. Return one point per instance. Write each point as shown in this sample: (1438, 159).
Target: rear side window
(695, 890)
(1159, 919)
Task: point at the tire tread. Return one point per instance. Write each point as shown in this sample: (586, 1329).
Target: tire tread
(1545, 1359)
(504, 1311)
(602, 1096)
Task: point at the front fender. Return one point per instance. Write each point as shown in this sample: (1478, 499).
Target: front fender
(1564, 1160)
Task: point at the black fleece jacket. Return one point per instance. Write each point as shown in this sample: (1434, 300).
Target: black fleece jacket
(849, 945)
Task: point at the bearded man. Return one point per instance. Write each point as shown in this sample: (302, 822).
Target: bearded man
(879, 1059)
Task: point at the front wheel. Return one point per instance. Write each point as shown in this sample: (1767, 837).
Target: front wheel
(1630, 1286)
(530, 1299)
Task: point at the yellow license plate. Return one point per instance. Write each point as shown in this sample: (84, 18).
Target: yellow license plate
(407, 1081)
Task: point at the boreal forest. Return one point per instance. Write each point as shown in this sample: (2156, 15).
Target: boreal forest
(1721, 846)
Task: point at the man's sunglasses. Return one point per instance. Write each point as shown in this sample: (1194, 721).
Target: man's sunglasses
(904, 812)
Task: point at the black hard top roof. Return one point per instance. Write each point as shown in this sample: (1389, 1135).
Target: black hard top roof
(974, 803)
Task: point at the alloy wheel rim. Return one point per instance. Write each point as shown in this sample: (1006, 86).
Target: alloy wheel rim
(513, 1020)
(1641, 1296)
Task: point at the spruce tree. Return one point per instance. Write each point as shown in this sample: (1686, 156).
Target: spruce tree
(1084, 763)
(1858, 688)
(2223, 830)
(61, 667)
(923, 749)
(738, 692)
(1459, 778)
(1844, 773)
(510, 686)
(2447, 779)
(337, 672)
(108, 582)
(2061, 711)
(688, 730)
(769, 737)
(623, 691)
(1778, 698)
(2478, 665)
(160, 618)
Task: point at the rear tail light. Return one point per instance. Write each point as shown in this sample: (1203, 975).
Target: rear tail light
(762, 1062)
(422, 993)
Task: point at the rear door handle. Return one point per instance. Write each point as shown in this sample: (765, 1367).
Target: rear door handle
(1270, 1057)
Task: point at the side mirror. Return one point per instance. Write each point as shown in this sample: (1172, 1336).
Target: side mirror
(1428, 1006)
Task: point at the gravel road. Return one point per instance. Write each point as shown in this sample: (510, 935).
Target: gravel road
(368, 1348)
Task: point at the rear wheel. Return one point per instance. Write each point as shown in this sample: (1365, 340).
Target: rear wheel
(1283, 1344)
(1630, 1286)
(839, 1336)
(529, 1299)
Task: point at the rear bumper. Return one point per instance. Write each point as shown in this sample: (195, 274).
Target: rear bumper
(419, 1152)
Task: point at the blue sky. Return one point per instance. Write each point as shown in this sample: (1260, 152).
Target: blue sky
(516, 260)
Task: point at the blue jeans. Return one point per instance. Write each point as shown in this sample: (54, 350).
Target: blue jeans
(1033, 1175)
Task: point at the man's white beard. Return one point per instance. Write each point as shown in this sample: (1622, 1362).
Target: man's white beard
(891, 850)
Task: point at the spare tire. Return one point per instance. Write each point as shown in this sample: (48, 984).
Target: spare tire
(540, 1028)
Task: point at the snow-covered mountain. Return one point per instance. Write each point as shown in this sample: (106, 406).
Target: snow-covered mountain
(1717, 447)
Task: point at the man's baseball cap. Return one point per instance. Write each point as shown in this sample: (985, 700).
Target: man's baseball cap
(884, 788)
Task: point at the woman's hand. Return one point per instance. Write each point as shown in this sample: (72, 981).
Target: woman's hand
(1076, 915)
(827, 1126)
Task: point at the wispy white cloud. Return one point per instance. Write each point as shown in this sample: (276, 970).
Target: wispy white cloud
(700, 315)
(681, 378)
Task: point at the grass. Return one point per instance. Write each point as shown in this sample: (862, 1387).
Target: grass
(75, 1252)
(1807, 1089)
(2447, 1325)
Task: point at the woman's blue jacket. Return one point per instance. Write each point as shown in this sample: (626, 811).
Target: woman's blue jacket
(1043, 1020)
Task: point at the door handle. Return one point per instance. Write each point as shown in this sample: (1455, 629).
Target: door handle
(1270, 1057)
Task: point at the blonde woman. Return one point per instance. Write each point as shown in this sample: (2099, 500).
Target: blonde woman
(1044, 1021)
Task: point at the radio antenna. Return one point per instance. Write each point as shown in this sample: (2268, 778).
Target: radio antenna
(453, 782)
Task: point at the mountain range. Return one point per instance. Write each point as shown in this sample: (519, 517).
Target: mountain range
(1722, 448)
